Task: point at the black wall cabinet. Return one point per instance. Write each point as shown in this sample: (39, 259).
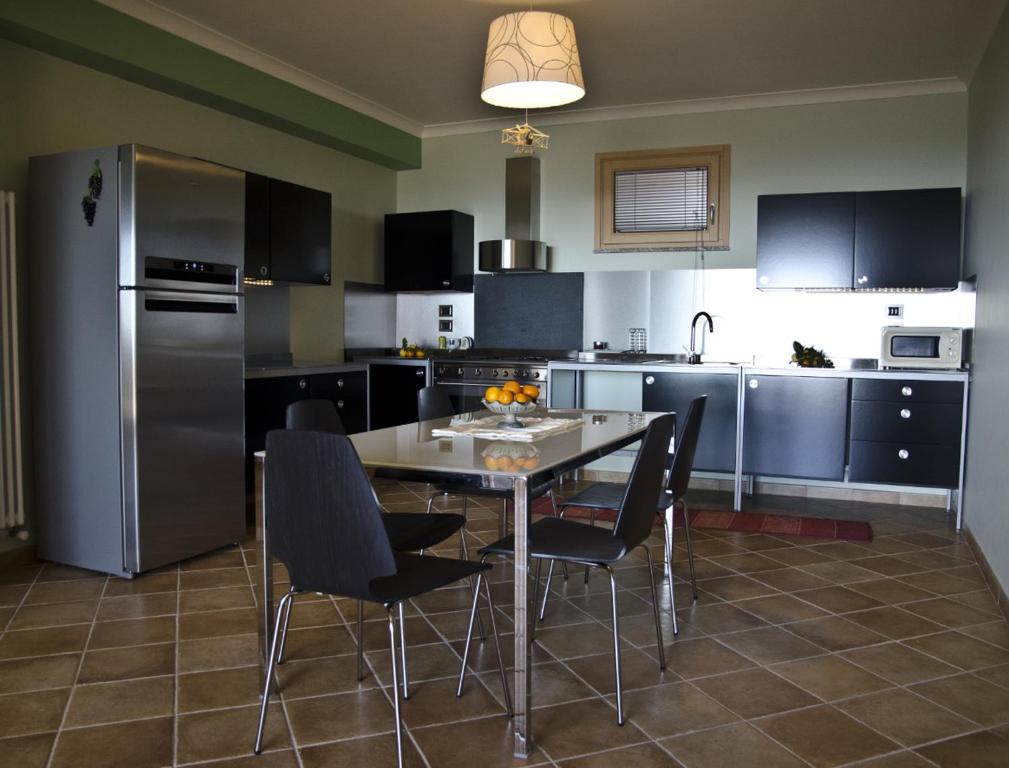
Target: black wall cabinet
(393, 393)
(288, 231)
(429, 251)
(892, 239)
(716, 447)
(795, 426)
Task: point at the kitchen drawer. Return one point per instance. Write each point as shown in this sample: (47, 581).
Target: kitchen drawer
(907, 464)
(907, 390)
(909, 422)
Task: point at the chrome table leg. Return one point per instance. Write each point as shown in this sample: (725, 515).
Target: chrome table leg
(524, 613)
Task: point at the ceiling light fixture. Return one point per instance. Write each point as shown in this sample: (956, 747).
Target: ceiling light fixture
(531, 62)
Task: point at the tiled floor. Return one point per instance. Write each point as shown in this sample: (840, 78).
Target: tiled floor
(799, 652)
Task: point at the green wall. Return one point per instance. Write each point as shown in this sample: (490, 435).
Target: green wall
(51, 105)
(875, 144)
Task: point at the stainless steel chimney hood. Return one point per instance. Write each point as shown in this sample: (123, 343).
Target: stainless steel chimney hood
(521, 250)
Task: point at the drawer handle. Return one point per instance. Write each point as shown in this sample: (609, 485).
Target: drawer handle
(905, 413)
(339, 382)
(302, 383)
(420, 372)
(906, 391)
(649, 379)
(904, 454)
(754, 383)
(339, 403)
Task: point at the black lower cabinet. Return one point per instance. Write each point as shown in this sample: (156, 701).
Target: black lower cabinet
(716, 447)
(795, 426)
(393, 393)
(348, 392)
(904, 464)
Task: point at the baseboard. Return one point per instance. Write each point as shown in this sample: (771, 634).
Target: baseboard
(1001, 599)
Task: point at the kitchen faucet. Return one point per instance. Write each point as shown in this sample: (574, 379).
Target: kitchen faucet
(695, 357)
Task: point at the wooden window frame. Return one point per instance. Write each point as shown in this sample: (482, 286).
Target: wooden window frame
(717, 158)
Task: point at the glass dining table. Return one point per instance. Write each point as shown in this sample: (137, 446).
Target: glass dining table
(585, 435)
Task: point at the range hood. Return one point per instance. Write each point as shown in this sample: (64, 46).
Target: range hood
(521, 250)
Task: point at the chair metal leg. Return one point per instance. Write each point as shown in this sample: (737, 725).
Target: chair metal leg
(402, 651)
(360, 640)
(395, 685)
(469, 634)
(655, 608)
(536, 593)
(592, 522)
(503, 519)
(430, 501)
(616, 647)
(464, 551)
(668, 531)
(283, 631)
(690, 547)
(546, 591)
(271, 671)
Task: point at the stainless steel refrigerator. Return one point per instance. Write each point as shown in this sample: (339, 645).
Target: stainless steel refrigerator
(137, 384)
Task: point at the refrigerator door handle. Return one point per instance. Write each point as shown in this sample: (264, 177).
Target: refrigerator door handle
(172, 301)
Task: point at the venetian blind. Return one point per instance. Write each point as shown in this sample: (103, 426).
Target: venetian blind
(661, 200)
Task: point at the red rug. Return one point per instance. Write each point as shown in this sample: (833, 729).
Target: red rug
(746, 522)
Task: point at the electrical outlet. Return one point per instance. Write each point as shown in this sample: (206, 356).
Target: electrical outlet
(895, 310)
(445, 326)
(444, 310)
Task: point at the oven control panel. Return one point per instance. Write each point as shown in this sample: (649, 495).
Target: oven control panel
(488, 372)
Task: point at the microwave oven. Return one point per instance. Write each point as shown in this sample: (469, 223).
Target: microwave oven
(910, 347)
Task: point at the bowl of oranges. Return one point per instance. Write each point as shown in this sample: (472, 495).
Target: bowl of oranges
(510, 400)
(507, 455)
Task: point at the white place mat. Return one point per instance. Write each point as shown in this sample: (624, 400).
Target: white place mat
(486, 428)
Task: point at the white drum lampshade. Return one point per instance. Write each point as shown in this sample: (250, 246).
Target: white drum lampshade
(532, 61)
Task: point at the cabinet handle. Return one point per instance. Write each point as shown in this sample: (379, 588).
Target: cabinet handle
(863, 280)
(906, 391)
(339, 403)
(420, 371)
(649, 379)
(754, 383)
(905, 413)
(904, 454)
(264, 271)
(302, 383)
(325, 277)
(339, 382)
(446, 283)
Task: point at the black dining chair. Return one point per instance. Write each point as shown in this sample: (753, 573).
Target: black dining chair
(559, 540)
(407, 531)
(608, 496)
(326, 528)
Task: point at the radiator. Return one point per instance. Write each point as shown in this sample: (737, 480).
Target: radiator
(12, 511)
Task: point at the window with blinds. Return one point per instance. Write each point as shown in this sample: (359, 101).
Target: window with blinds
(665, 199)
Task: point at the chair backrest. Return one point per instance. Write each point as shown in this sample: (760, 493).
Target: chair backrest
(641, 495)
(434, 403)
(315, 416)
(322, 517)
(686, 446)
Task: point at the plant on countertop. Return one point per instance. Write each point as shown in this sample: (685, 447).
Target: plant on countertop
(89, 203)
(810, 357)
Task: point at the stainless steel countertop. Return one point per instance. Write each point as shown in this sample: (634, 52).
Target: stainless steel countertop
(423, 361)
(761, 370)
(303, 369)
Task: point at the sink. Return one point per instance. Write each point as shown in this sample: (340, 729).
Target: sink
(622, 357)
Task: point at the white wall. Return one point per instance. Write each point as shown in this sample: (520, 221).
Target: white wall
(987, 240)
(881, 144)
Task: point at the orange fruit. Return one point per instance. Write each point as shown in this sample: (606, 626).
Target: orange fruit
(532, 462)
(491, 394)
(512, 386)
(531, 391)
(490, 462)
(505, 463)
(505, 397)
(521, 397)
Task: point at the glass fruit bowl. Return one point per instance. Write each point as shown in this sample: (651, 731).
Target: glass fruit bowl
(510, 412)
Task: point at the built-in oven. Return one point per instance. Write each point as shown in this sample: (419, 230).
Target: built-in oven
(466, 381)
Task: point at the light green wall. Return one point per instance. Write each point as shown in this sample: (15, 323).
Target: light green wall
(51, 105)
(986, 498)
(877, 144)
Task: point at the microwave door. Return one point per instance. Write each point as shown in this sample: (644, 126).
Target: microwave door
(916, 347)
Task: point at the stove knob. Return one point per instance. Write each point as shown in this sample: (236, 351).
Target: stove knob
(460, 371)
(495, 373)
(478, 372)
(536, 375)
(441, 370)
(525, 374)
(515, 373)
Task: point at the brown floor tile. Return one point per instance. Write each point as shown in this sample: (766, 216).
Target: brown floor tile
(36, 712)
(224, 577)
(637, 670)
(976, 750)
(996, 633)
(899, 663)
(137, 744)
(218, 653)
(314, 677)
(142, 585)
(138, 606)
(371, 750)
(970, 697)
(27, 751)
(123, 700)
(578, 640)
(894, 623)
(960, 650)
(53, 615)
(25, 575)
(735, 588)
(907, 719)
(721, 617)
(825, 737)
(426, 662)
(949, 613)
(114, 634)
(673, 709)
(38, 642)
(940, 582)
(702, 657)
(584, 727)
(791, 579)
(840, 572)
(235, 621)
(376, 633)
(341, 716)
(220, 688)
(640, 756)
(225, 558)
(780, 609)
(837, 599)
(125, 663)
(553, 684)
(841, 550)
(12, 595)
(730, 746)
(830, 677)
(904, 759)
(835, 633)
(889, 566)
(37, 673)
(215, 599)
(435, 702)
(980, 600)
(486, 742)
(798, 556)
(65, 592)
(751, 562)
(890, 591)
(754, 693)
(769, 645)
(280, 759)
(228, 733)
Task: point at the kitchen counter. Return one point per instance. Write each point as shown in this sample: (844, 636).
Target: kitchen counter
(303, 369)
(422, 361)
(717, 367)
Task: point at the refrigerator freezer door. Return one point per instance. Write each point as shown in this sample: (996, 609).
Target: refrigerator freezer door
(178, 209)
(183, 424)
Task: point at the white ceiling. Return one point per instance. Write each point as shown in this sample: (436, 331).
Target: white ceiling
(418, 63)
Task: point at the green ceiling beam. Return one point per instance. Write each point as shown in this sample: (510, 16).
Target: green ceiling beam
(89, 33)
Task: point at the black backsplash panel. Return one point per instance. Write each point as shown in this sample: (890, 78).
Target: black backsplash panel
(541, 311)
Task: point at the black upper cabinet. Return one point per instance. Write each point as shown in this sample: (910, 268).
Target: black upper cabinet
(805, 241)
(288, 231)
(863, 240)
(429, 251)
(907, 239)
